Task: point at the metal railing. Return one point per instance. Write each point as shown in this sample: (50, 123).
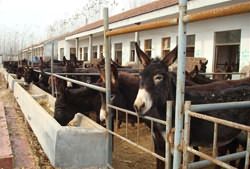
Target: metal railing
(213, 159)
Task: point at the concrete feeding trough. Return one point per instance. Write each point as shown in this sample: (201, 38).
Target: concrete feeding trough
(83, 145)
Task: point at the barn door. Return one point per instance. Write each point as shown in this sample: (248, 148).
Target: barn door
(227, 50)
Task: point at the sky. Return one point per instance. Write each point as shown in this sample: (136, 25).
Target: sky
(34, 15)
(31, 18)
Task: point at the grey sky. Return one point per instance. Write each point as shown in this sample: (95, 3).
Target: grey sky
(26, 21)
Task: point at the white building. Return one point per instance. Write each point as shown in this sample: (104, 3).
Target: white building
(220, 40)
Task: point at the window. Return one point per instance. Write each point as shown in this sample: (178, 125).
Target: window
(190, 45)
(148, 47)
(101, 51)
(85, 52)
(132, 51)
(94, 52)
(227, 50)
(61, 52)
(72, 53)
(81, 57)
(118, 53)
(165, 44)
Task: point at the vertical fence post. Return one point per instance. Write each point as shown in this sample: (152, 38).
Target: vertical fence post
(180, 87)
(108, 79)
(215, 151)
(168, 129)
(247, 151)
(32, 64)
(186, 134)
(52, 69)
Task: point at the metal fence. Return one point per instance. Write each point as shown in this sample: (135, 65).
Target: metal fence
(183, 19)
(190, 113)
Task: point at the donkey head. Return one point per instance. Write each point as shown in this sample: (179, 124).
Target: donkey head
(114, 89)
(154, 81)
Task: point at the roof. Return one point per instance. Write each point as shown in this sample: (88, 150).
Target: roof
(149, 7)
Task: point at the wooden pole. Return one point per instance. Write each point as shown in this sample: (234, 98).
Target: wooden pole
(234, 9)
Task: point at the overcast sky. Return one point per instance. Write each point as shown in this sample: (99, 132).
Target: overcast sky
(32, 17)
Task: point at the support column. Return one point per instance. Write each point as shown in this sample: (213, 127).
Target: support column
(77, 49)
(180, 85)
(90, 48)
(32, 64)
(137, 37)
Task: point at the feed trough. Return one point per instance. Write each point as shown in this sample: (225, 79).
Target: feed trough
(80, 146)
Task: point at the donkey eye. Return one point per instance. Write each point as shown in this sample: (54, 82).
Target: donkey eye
(158, 78)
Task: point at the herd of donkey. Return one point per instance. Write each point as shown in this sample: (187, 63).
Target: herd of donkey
(146, 92)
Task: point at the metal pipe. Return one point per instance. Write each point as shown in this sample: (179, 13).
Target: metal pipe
(90, 47)
(138, 130)
(98, 88)
(168, 129)
(52, 69)
(208, 14)
(137, 39)
(220, 106)
(136, 145)
(126, 124)
(205, 163)
(186, 135)
(32, 64)
(215, 140)
(143, 27)
(207, 157)
(107, 78)
(135, 114)
(180, 86)
(247, 151)
(218, 12)
(77, 48)
(223, 73)
(220, 121)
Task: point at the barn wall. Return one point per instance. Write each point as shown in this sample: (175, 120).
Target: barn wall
(204, 38)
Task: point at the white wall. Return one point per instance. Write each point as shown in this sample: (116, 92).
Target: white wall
(204, 38)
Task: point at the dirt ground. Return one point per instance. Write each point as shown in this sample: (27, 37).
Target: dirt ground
(28, 153)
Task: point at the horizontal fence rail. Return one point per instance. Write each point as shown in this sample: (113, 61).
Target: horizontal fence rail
(135, 114)
(220, 106)
(205, 163)
(98, 88)
(223, 73)
(219, 121)
(213, 159)
(167, 123)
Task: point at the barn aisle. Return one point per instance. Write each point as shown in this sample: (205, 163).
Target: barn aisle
(25, 147)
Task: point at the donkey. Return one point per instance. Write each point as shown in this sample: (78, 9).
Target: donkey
(157, 86)
(124, 87)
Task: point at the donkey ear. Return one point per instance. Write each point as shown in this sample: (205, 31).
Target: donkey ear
(114, 75)
(102, 73)
(171, 56)
(143, 57)
(196, 69)
(206, 62)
